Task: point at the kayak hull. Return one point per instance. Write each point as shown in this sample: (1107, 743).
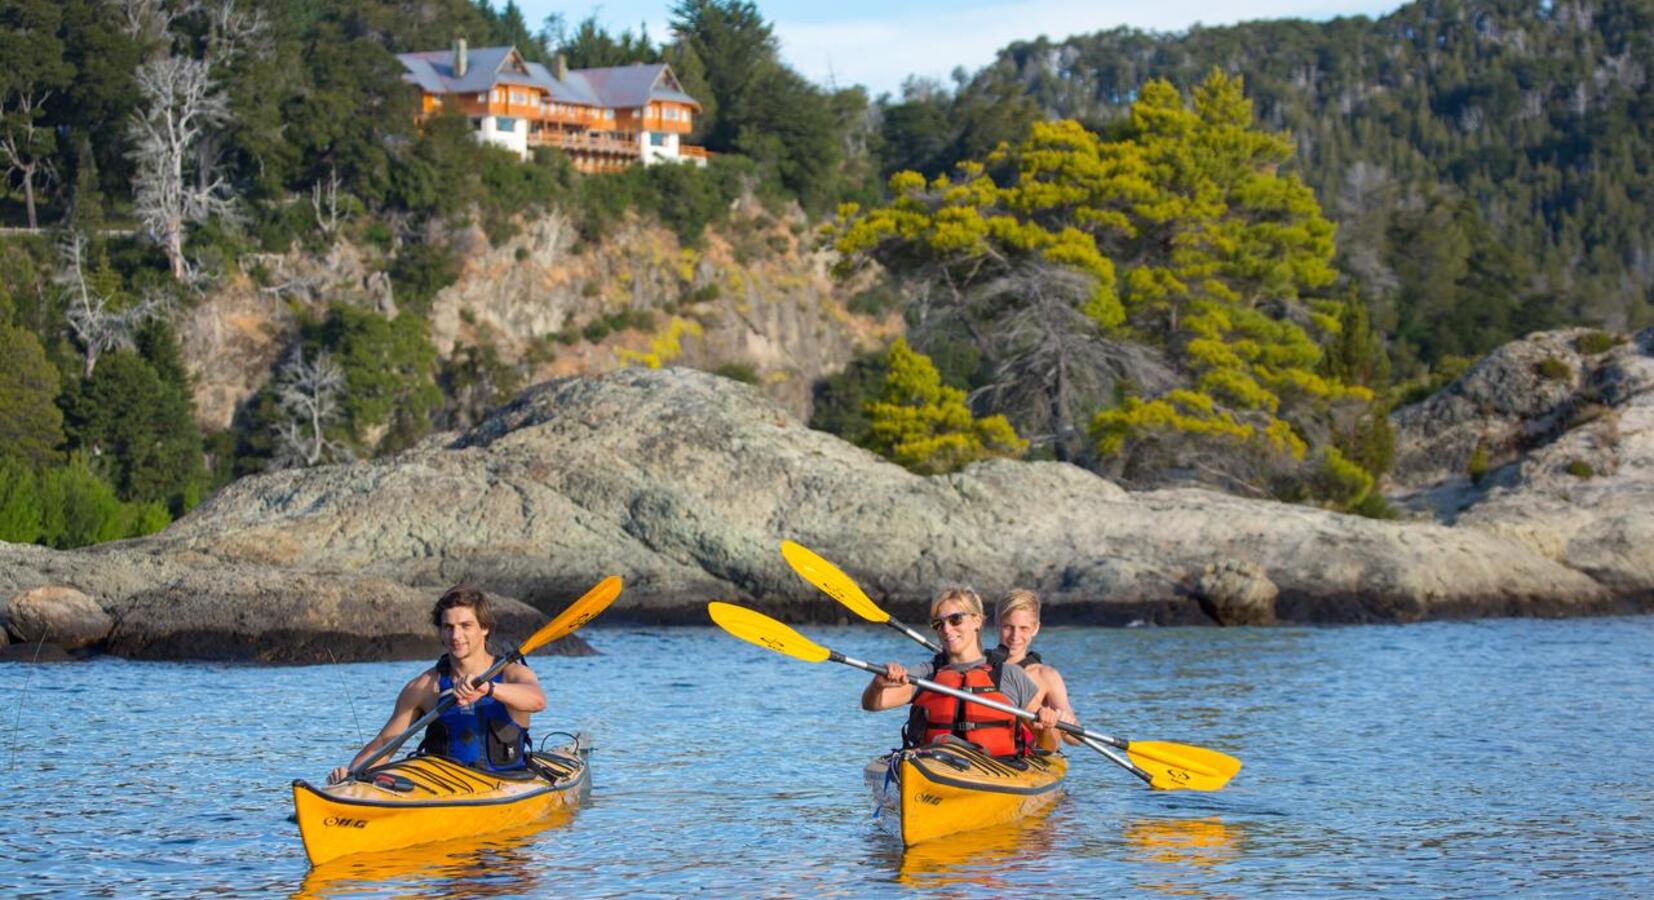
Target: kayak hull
(423, 799)
(947, 788)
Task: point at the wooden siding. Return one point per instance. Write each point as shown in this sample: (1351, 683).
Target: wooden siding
(593, 142)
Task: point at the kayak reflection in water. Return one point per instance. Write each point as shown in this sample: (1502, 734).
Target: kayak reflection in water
(487, 726)
(956, 616)
(1017, 615)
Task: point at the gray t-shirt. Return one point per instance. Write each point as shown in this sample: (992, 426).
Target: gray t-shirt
(1013, 682)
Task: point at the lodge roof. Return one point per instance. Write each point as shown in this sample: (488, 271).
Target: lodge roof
(618, 87)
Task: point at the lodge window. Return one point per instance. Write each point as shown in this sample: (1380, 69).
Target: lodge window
(505, 123)
(656, 139)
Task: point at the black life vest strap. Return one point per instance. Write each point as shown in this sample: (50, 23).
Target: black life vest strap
(970, 726)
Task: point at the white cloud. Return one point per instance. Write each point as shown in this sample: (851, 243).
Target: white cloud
(881, 52)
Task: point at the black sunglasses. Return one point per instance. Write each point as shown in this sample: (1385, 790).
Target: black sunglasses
(953, 619)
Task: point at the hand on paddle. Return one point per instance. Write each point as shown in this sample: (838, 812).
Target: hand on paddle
(465, 694)
(1045, 719)
(894, 676)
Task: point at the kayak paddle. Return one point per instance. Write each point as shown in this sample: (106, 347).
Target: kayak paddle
(567, 622)
(834, 583)
(1162, 764)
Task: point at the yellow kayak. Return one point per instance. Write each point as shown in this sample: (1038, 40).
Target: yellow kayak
(948, 787)
(422, 799)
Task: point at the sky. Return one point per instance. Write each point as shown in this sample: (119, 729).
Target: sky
(879, 43)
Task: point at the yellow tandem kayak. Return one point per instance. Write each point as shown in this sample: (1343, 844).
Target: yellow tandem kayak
(422, 799)
(950, 787)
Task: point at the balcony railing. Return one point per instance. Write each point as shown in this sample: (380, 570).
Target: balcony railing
(582, 143)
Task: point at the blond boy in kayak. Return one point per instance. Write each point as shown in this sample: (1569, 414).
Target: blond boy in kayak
(956, 616)
(1017, 615)
(487, 726)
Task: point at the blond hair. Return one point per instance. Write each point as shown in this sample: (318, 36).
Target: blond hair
(963, 595)
(1015, 600)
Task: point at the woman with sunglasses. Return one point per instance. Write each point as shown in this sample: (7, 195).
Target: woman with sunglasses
(1018, 618)
(956, 616)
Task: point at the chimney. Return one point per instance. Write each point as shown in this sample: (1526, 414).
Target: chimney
(460, 61)
(560, 67)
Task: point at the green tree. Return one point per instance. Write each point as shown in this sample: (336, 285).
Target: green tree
(31, 426)
(926, 426)
(1198, 259)
(737, 47)
(34, 68)
(590, 46)
(20, 507)
(79, 507)
(142, 427)
(390, 394)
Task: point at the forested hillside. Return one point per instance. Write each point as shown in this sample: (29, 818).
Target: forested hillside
(166, 157)
(1490, 163)
(1169, 258)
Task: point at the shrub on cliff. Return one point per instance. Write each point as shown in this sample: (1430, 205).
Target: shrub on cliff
(1593, 342)
(926, 426)
(389, 365)
(841, 399)
(1552, 369)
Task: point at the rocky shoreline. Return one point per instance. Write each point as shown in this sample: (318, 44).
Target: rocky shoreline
(685, 483)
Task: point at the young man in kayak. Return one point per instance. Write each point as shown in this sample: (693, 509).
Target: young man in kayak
(956, 616)
(1017, 616)
(486, 727)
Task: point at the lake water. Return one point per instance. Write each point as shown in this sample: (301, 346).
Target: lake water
(1453, 759)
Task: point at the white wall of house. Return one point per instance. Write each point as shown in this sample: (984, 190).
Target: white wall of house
(658, 146)
(662, 146)
(492, 130)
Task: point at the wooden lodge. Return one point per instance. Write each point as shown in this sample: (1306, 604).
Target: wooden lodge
(603, 119)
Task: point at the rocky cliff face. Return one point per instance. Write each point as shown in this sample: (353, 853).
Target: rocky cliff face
(685, 483)
(1568, 431)
(757, 294)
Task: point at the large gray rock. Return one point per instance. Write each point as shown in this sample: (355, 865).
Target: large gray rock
(1503, 404)
(190, 606)
(1237, 592)
(56, 614)
(1575, 471)
(685, 484)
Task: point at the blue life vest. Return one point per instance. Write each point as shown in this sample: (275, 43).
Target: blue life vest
(483, 736)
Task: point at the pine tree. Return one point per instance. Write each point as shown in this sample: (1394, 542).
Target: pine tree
(31, 426)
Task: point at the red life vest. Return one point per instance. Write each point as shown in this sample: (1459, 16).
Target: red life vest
(934, 715)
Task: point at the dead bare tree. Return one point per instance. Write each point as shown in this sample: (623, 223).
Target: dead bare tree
(181, 103)
(326, 204)
(150, 20)
(178, 180)
(95, 325)
(25, 147)
(308, 392)
(1053, 365)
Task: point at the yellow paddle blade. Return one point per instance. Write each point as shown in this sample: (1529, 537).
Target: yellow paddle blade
(579, 613)
(832, 581)
(1183, 767)
(757, 628)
